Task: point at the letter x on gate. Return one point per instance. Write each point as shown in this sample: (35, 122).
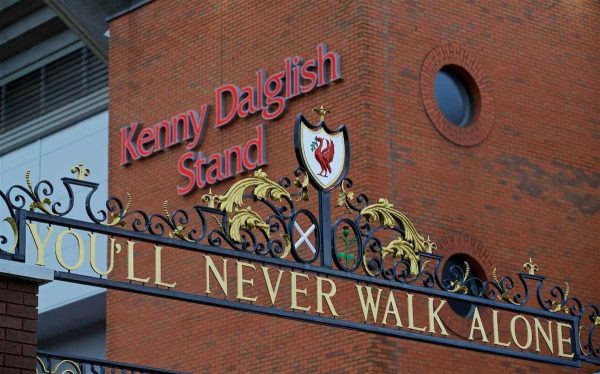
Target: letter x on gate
(304, 237)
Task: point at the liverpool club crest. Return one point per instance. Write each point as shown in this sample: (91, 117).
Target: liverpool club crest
(323, 153)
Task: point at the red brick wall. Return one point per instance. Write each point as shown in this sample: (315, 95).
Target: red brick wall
(18, 325)
(530, 189)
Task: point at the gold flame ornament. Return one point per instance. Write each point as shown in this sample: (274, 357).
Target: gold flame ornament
(41, 204)
(561, 305)
(505, 296)
(178, 232)
(459, 286)
(117, 218)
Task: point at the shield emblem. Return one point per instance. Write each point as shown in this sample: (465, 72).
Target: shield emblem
(323, 153)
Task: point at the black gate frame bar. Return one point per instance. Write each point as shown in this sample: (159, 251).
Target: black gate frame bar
(22, 216)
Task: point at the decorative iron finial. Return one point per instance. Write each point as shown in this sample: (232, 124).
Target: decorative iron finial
(322, 112)
(531, 267)
(80, 171)
(210, 199)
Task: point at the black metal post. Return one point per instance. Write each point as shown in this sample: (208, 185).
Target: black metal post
(21, 236)
(325, 225)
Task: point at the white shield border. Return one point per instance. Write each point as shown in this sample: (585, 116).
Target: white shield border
(321, 127)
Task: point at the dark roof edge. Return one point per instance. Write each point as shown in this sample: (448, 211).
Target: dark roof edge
(133, 7)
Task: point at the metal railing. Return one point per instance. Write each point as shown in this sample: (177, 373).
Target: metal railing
(52, 363)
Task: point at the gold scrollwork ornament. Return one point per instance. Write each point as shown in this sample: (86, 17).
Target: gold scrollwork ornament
(263, 188)
(232, 201)
(408, 247)
(246, 217)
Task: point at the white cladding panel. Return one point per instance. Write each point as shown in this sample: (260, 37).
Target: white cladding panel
(51, 158)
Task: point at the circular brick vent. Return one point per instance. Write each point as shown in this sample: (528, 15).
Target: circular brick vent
(453, 58)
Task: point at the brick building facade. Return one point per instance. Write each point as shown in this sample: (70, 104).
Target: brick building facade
(520, 181)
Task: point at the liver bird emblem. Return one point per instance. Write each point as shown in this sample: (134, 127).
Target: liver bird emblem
(324, 150)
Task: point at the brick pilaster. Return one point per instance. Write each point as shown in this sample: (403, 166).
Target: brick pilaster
(19, 284)
(18, 325)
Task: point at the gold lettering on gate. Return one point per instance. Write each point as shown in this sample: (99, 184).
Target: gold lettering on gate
(321, 295)
(547, 336)
(272, 291)
(295, 291)
(369, 304)
(434, 318)
(221, 278)
(369, 297)
(561, 340)
(59, 252)
(158, 268)
(392, 308)
(411, 317)
(496, 331)
(241, 281)
(131, 264)
(113, 248)
(477, 324)
(513, 331)
(40, 244)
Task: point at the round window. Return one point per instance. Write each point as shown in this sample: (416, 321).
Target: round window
(454, 262)
(453, 96)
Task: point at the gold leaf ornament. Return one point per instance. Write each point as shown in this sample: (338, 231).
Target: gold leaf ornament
(402, 248)
(263, 188)
(384, 212)
(408, 247)
(302, 183)
(246, 218)
(343, 198)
